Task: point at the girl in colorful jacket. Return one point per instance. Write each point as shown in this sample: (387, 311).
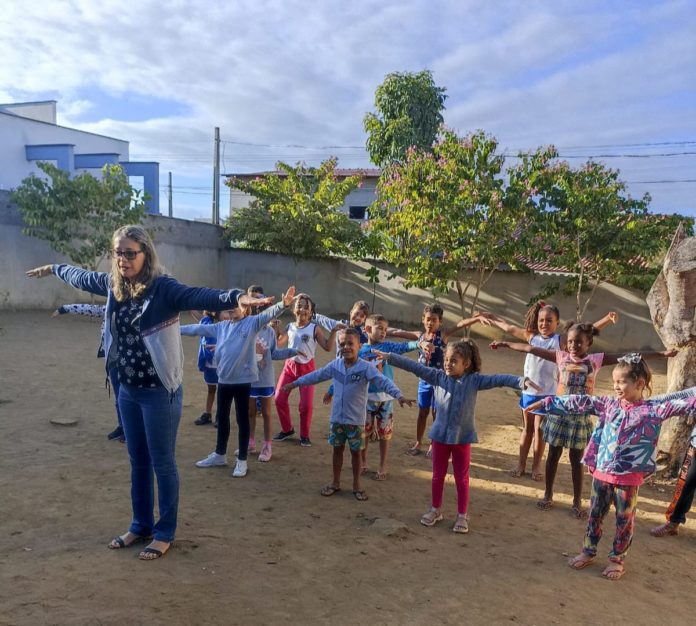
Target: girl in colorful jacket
(621, 451)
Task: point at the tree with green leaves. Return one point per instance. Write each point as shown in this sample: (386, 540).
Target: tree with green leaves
(295, 211)
(409, 113)
(600, 233)
(77, 216)
(447, 214)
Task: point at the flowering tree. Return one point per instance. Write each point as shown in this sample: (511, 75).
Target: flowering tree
(440, 214)
(295, 211)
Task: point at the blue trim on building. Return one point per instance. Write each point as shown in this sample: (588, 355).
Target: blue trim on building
(61, 153)
(149, 170)
(95, 161)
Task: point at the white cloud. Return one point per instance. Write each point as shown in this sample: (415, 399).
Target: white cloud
(291, 72)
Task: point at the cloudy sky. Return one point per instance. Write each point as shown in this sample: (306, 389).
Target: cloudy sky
(292, 80)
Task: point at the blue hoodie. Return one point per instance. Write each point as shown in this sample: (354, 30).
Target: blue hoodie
(235, 345)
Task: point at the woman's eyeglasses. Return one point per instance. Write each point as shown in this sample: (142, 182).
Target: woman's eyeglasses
(129, 255)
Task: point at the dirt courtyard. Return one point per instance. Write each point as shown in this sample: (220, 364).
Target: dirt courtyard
(268, 549)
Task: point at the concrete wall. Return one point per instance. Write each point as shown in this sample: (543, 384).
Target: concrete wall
(194, 253)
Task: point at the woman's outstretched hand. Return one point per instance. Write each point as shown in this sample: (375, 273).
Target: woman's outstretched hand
(40, 272)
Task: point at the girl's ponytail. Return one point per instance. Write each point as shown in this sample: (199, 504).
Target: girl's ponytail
(531, 320)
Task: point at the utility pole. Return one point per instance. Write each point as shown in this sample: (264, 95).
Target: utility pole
(171, 202)
(216, 178)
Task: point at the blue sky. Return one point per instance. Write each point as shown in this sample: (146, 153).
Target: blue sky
(292, 80)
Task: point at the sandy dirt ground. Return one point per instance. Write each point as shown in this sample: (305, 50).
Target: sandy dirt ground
(268, 549)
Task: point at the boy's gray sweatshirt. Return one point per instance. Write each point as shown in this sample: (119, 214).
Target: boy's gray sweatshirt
(235, 351)
(350, 385)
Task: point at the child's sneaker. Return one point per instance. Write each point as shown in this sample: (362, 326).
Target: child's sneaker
(116, 433)
(266, 453)
(284, 434)
(240, 469)
(250, 450)
(212, 460)
(204, 419)
(305, 442)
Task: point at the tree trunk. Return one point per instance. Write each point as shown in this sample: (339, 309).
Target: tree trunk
(672, 302)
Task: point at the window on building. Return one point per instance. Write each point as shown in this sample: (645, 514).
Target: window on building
(357, 212)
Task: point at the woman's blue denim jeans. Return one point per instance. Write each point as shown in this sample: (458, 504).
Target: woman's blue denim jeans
(150, 421)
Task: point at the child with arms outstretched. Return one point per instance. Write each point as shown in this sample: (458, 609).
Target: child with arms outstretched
(237, 368)
(621, 451)
(454, 428)
(379, 420)
(436, 336)
(303, 335)
(351, 377)
(263, 390)
(540, 330)
(577, 369)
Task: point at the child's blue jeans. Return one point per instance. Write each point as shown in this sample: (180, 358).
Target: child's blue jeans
(150, 421)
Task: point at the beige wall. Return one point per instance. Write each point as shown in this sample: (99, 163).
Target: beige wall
(194, 253)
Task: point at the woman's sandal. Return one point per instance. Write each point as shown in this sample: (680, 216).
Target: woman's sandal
(613, 571)
(516, 472)
(360, 495)
(118, 543)
(379, 476)
(664, 530)
(329, 490)
(431, 518)
(152, 554)
(581, 561)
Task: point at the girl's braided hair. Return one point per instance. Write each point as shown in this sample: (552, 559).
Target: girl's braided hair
(531, 321)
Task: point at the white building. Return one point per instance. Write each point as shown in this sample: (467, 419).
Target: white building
(356, 204)
(29, 133)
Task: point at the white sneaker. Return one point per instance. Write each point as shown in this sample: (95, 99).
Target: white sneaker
(240, 469)
(212, 460)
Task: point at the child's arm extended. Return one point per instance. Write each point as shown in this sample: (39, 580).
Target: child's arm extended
(548, 355)
(313, 378)
(613, 359)
(90, 310)
(382, 383)
(200, 330)
(280, 354)
(491, 381)
(483, 318)
(324, 341)
(677, 403)
(403, 334)
(327, 323)
(510, 329)
(430, 375)
(610, 318)
(392, 346)
(263, 318)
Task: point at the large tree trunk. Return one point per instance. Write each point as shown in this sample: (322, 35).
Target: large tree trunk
(672, 302)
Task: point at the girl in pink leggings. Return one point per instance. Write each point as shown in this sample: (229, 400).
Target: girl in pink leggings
(303, 335)
(454, 429)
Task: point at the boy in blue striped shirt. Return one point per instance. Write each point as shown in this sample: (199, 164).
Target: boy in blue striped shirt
(351, 377)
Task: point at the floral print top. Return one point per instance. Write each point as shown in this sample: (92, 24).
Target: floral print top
(134, 362)
(625, 437)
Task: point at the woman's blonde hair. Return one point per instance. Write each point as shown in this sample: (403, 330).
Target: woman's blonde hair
(122, 288)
